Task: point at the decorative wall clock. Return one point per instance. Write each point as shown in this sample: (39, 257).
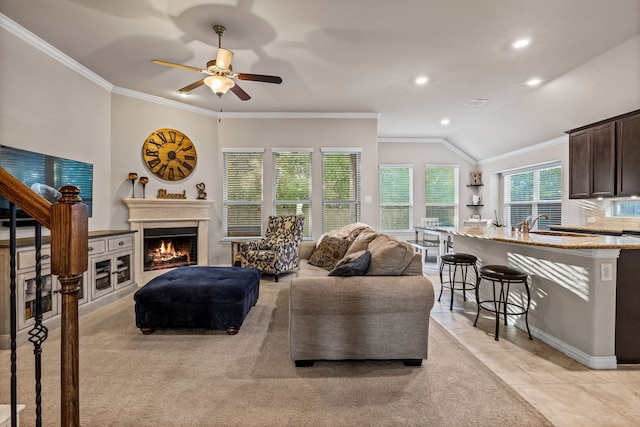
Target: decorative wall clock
(169, 154)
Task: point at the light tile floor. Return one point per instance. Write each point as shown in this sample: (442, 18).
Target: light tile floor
(563, 390)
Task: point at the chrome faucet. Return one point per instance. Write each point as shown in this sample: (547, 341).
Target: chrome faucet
(524, 227)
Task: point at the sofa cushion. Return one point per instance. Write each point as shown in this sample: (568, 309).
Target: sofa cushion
(329, 252)
(355, 265)
(389, 256)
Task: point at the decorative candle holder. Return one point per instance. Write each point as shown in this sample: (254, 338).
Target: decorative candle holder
(144, 180)
(133, 176)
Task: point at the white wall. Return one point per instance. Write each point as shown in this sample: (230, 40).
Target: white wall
(303, 133)
(553, 151)
(47, 108)
(133, 120)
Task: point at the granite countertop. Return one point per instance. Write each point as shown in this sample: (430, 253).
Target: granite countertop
(595, 229)
(30, 241)
(553, 240)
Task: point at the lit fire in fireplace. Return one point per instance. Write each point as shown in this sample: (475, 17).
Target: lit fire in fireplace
(166, 256)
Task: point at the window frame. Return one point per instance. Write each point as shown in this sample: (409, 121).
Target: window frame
(456, 203)
(536, 202)
(357, 190)
(274, 186)
(226, 152)
(408, 205)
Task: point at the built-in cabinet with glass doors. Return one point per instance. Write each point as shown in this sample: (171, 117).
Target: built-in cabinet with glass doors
(111, 269)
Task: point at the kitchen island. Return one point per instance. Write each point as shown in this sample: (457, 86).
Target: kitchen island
(577, 284)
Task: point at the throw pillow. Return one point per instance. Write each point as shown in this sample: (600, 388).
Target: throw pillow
(329, 252)
(357, 267)
(362, 241)
(389, 256)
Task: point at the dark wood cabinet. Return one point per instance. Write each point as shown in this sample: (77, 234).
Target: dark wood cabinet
(628, 139)
(628, 307)
(579, 165)
(604, 158)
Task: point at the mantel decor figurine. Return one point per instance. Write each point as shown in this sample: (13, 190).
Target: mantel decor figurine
(475, 178)
(202, 195)
(162, 194)
(144, 180)
(132, 177)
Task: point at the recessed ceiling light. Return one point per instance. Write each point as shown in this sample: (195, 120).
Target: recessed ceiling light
(534, 82)
(445, 122)
(520, 43)
(420, 80)
(183, 94)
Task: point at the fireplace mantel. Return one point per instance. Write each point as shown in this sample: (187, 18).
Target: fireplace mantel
(163, 213)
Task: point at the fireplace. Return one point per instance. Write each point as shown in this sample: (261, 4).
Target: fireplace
(170, 247)
(159, 219)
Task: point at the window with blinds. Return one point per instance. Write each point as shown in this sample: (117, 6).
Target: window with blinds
(533, 191)
(242, 193)
(340, 188)
(292, 185)
(396, 197)
(441, 194)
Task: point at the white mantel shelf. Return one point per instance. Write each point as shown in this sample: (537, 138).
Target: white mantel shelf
(167, 209)
(159, 213)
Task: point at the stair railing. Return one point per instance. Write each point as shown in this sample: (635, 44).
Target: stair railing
(67, 221)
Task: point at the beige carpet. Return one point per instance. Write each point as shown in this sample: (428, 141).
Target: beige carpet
(208, 378)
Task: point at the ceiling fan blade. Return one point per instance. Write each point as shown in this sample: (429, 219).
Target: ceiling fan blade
(192, 86)
(260, 78)
(184, 67)
(240, 93)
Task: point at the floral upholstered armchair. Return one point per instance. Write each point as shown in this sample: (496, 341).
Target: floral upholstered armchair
(277, 251)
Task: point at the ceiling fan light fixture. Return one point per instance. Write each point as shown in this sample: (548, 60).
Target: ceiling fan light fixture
(223, 60)
(219, 84)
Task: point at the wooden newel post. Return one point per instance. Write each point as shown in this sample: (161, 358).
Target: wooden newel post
(69, 260)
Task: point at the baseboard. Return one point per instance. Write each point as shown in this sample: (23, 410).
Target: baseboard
(590, 361)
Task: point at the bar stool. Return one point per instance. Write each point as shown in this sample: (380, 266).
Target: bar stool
(505, 276)
(464, 261)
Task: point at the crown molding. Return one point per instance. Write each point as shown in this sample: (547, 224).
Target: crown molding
(528, 149)
(296, 115)
(426, 140)
(163, 101)
(35, 41)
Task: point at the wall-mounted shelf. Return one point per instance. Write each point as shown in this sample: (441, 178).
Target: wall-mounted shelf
(474, 206)
(475, 185)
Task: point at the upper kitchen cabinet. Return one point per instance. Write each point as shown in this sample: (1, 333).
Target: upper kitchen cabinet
(602, 157)
(628, 133)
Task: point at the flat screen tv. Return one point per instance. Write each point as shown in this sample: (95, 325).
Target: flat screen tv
(45, 175)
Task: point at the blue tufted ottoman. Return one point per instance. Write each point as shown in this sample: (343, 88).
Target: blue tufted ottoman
(197, 297)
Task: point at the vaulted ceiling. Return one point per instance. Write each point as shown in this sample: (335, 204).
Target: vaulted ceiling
(351, 56)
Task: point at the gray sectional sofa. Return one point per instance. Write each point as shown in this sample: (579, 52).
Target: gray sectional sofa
(383, 314)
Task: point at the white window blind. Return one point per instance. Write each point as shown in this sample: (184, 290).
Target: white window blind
(242, 193)
(396, 197)
(533, 191)
(292, 185)
(340, 189)
(441, 194)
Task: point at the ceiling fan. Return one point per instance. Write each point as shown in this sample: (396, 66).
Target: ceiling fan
(220, 74)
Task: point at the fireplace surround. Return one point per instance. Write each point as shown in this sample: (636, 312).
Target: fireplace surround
(157, 217)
